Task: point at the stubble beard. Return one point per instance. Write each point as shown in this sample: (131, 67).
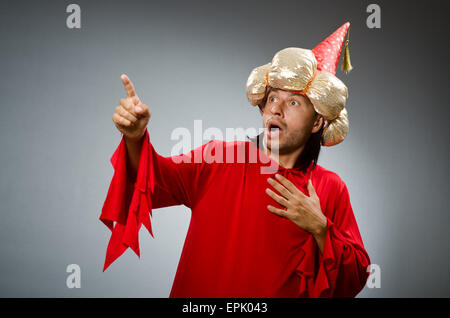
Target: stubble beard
(286, 144)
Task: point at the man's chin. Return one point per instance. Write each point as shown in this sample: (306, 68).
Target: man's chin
(274, 144)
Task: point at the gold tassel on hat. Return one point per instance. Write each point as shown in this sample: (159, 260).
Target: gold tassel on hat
(346, 64)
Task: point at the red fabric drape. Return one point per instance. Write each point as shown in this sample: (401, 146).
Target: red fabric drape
(235, 247)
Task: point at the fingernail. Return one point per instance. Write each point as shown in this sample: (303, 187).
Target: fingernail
(138, 109)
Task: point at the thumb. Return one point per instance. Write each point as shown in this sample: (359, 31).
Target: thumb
(142, 110)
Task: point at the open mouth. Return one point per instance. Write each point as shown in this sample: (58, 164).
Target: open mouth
(273, 129)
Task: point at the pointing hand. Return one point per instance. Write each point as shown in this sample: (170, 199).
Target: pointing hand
(131, 116)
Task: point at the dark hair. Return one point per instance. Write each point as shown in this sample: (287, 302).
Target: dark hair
(310, 153)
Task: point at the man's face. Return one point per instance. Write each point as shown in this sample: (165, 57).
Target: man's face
(290, 119)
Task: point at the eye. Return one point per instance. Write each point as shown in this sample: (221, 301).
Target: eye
(294, 103)
(272, 99)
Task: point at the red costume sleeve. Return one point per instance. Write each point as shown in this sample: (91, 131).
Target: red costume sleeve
(340, 271)
(160, 182)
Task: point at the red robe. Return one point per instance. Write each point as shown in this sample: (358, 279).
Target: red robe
(236, 247)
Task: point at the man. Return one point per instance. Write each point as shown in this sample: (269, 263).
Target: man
(290, 233)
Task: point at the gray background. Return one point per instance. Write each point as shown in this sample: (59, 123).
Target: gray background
(190, 60)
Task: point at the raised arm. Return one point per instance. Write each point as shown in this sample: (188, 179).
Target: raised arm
(131, 119)
(143, 180)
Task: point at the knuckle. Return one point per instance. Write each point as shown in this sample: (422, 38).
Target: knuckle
(129, 116)
(121, 111)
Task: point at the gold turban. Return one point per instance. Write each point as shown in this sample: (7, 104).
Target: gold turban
(310, 73)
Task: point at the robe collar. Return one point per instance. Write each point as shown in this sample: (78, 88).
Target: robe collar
(301, 177)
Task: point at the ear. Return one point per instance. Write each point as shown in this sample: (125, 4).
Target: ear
(318, 122)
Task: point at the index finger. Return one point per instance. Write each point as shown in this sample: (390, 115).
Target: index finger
(288, 184)
(129, 87)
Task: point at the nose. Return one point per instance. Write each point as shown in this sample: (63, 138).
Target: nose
(275, 107)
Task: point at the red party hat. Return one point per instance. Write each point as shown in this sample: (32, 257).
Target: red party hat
(327, 53)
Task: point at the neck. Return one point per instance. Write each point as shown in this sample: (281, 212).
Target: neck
(286, 160)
